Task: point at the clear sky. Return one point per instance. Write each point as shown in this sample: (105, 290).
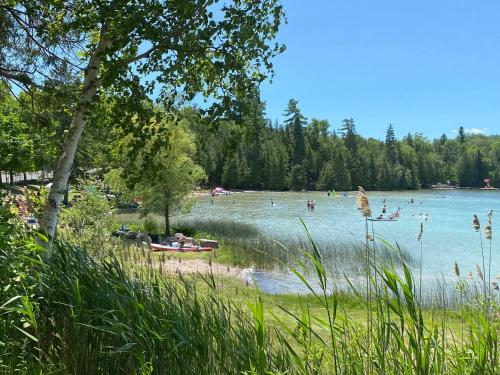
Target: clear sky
(428, 66)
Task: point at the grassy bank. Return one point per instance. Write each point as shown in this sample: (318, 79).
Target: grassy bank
(245, 245)
(65, 311)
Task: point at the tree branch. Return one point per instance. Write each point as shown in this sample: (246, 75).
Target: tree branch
(18, 76)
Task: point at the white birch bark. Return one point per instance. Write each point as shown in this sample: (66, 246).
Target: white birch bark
(65, 163)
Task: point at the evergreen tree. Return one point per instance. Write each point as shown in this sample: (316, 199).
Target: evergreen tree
(390, 144)
(297, 178)
(478, 169)
(326, 180)
(461, 135)
(348, 131)
(341, 173)
(294, 122)
(463, 168)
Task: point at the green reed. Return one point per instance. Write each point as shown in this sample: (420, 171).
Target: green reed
(64, 311)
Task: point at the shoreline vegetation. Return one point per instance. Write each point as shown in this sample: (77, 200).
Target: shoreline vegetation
(134, 311)
(135, 104)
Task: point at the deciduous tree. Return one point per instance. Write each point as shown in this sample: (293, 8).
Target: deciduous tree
(206, 47)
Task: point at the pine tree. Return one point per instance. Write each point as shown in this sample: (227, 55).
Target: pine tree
(294, 122)
(341, 173)
(461, 135)
(297, 178)
(390, 145)
(478, 169)
(326, 180)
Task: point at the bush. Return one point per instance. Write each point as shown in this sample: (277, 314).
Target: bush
(88, 221)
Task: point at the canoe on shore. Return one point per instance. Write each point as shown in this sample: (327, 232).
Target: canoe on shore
(188, 248)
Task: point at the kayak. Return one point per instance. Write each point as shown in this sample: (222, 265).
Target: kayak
(383, 219)
(158, 247)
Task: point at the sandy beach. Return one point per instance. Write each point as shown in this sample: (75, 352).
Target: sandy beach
(203, 267)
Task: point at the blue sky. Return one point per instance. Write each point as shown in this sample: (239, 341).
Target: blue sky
(428, 66)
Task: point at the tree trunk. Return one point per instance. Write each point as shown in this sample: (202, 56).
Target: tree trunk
(64, 165)
(1, 178)
(25, 178)
(11, 176)
(167, 221)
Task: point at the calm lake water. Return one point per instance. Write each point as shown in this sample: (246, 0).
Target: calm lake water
(447, 237)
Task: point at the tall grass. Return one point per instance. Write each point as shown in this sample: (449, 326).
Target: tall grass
(227, 229)
(64, 311)
(245, 245)
(93, 317)
(396, 338)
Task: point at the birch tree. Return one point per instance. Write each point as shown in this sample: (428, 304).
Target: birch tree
(172, 49)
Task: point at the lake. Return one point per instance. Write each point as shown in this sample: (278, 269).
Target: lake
(447, 235)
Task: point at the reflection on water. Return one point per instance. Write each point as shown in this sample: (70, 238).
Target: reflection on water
(446, 216)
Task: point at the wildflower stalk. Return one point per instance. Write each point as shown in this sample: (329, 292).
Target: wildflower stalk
(420, 235)
(364, 207)
(484, 269)
(488, 236)
(477, 228)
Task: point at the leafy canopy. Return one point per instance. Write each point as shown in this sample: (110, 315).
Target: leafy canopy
(209, 47)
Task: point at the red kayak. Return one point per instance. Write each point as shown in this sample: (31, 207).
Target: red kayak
(188, 248)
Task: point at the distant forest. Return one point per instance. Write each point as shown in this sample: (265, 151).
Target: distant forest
(251, 152)
(245, 150)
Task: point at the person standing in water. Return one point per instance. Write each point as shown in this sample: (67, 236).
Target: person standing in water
(312, 205)
(308, 206)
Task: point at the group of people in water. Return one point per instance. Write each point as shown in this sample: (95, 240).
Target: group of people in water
(384, 216)
(395, 215)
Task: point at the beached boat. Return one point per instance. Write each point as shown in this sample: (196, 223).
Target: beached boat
(185, 248)
(447, 186)
(219, 191)
(383, 219)
(488, 186)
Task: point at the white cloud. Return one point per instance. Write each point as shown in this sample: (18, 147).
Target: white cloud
(473, 131)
